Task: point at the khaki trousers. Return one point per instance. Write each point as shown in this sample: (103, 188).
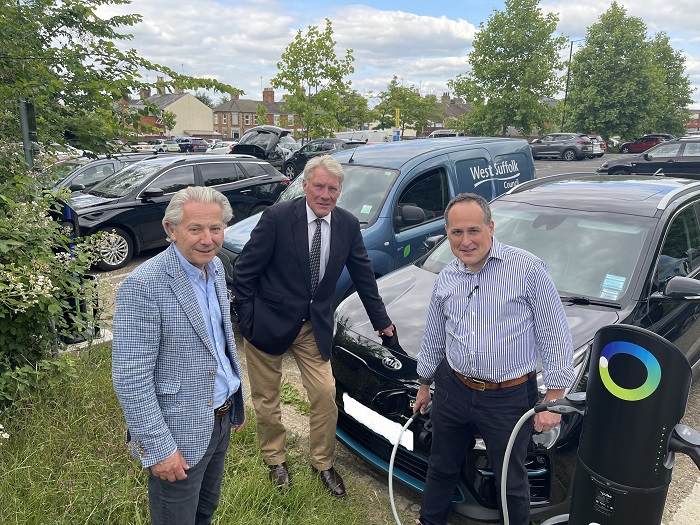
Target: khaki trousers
(265, 374)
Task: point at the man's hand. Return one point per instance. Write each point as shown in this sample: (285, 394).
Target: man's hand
(171, 468)
(238, 428)
(548, 420)
(388, 331)
(422, 399)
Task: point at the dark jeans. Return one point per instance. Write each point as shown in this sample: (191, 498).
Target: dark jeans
(458, 412)
(193, 500)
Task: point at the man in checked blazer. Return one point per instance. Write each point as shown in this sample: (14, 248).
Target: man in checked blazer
(279, 309)
(174, 364)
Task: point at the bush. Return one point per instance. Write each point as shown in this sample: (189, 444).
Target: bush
(41, 280)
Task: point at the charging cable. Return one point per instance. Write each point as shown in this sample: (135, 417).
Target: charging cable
(571, 403)
(393, 457)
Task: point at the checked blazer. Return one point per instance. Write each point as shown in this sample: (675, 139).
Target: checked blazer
(272, 279)
(163, 363)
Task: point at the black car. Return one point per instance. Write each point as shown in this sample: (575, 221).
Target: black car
(83, 173)
(677, 157)
(613, 247)
(296, 162)
(269, 143)
(131, 203)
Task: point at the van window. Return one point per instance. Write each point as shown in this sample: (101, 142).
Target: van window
(430, 192)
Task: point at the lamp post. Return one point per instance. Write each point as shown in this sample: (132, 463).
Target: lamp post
(568, 75)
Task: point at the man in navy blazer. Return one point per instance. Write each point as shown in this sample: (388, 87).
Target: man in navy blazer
(174, 364)
(280, 308)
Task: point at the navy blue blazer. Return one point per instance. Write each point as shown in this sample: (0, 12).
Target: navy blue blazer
(272, 279)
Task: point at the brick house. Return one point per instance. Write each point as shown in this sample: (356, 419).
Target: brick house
(233, 118)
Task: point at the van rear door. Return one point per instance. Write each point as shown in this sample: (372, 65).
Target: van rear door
(490, 176)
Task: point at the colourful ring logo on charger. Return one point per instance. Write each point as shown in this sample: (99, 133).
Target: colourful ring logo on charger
(649, 361)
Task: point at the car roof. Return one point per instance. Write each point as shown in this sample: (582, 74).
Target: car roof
(393, 155)
(641, 195)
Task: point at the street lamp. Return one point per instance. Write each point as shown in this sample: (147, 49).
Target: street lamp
(568, 74)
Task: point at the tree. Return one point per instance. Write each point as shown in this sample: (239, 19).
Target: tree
(514, 63)
(312, 74)
(352, 111)
(261, 115)
(204, 99)
(414, 111)
(168, 120)
(624, 84)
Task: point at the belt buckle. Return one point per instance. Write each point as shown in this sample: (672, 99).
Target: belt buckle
(479, 385)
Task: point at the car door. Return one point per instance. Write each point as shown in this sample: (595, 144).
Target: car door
(541, 145)
(228, 178)
(661, 157)
(150, 211)
(688, 162)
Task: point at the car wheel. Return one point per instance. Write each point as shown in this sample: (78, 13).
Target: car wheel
(257, 209)
(535, 157)
(116, 250)
(625, 150)
(290, 171)
(601, 155)
(568, 155)
(621, 171)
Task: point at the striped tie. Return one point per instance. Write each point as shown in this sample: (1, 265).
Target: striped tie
(315, 256)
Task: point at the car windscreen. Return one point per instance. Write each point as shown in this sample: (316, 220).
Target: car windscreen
(129, 178)
(363, 193)
(587, 254)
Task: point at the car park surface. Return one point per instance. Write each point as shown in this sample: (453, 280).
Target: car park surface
(676, 157)
(398, 192)
(567, 146)
(130, 204)
(296, 161)
(619, 249)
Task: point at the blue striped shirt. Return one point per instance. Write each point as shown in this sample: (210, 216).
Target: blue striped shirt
(493, 324)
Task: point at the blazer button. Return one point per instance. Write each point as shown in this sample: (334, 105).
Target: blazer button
(311, 301)
(212, 373)
(210, 404)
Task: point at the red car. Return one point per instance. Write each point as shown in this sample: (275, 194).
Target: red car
(642, 144)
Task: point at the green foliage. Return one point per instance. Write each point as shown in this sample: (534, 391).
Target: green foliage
(623, 83)
(63, 57)
(169, 120)
(204, 99)
(291, 396)
(312, 74)
(65, 462)
(514, 68)
(261, 115)
(352, 111)
(415, 111)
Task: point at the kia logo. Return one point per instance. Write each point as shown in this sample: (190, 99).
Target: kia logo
(391, 363)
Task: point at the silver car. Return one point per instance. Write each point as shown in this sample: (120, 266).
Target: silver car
(567, 146)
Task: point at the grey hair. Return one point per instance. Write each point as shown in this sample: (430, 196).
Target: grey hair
(173, 213)
(331, 165)
(470, 197)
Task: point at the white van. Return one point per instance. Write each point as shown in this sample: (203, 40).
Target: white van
(368, 135)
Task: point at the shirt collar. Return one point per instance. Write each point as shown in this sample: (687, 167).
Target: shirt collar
(311, 216)
(191, 270)
(496, 252)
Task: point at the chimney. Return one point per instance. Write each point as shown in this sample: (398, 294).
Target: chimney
(269, 95)
(445, 98)
(160, 85)
(234, 97)
(145, 93)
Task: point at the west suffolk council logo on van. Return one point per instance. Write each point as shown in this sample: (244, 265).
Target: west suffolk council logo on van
(651, 364)
(506, 172)
(391, 363)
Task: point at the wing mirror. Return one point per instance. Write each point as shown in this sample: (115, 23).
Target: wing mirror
(678, 289)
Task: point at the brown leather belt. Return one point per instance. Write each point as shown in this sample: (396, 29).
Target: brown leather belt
(223, 409)
(481, 385)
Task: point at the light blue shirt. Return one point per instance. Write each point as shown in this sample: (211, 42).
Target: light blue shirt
(493, 324)
(227, 382)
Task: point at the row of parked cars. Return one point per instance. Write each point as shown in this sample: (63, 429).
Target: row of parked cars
(632, 260)
(568, 146)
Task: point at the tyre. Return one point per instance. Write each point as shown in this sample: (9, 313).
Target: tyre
(257, 209)
(534, 157)
(568, 155)
(621, 171)
(290, 171)
(625, 149)
(117, 249)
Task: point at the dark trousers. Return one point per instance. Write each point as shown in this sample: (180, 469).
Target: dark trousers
(193, 500)
(458, 412)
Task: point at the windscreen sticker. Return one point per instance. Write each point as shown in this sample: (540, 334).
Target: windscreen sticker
(606, 293)
(614, 282)
(367, 208)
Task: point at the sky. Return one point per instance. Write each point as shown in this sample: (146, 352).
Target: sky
(423, 43)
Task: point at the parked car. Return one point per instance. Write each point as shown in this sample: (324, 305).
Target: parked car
(130, 204)
(399, 192)
(567, 146)
(641, 144)
(221, 147)
(193, 145)
(296, 162)
(677, 157)
(269, 143)
(83, 173)
(144, 147)
(166, 145)
(612, 260)
(601, 143)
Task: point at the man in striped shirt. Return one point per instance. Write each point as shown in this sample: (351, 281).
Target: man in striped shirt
(494, 309)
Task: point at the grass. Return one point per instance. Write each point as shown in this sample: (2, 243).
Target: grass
(66, 463)
(291, 396)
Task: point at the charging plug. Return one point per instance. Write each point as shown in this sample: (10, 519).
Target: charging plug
(569, 404)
